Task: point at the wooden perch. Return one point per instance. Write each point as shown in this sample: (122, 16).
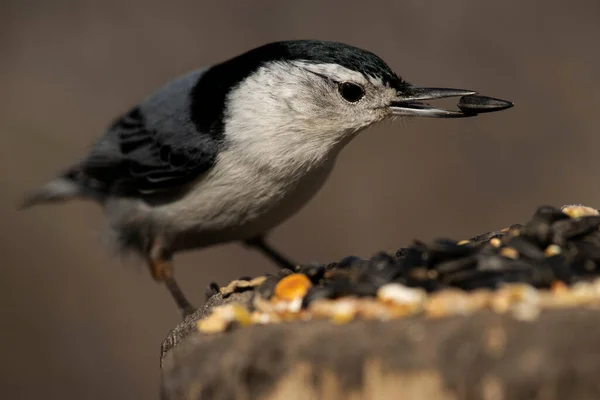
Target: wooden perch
(483, 356)
(508, 315)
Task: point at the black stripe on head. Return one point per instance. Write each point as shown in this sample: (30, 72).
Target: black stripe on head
(208, 96)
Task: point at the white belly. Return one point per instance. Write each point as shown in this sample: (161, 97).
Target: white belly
(237, 202)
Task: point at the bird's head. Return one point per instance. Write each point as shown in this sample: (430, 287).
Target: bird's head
(311, 94)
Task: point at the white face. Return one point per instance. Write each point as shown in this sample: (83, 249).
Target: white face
(343, 98)
(301, 106)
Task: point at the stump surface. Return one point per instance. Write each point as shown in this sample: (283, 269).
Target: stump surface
(483, 356)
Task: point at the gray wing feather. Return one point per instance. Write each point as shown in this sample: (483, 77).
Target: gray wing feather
(155, 147)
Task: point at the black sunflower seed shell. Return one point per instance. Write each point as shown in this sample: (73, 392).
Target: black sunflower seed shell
(549, 214)
(460, 264)
(560, 268)
(539, 230)
(348, 262)
(318, 293)
(444, 249)
(526, 248)
(314, 272)
(413, 257)
(566, 229)
(481, 104)
(585, 250)
(267, 288)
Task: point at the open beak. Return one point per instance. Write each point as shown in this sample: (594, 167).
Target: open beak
(409, 104)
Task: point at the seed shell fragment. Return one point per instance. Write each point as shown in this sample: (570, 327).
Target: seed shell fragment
(482, 104)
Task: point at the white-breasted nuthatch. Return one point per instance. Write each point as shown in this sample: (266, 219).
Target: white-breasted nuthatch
(226, 153)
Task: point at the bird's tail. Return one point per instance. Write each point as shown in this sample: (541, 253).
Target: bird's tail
(62, 188)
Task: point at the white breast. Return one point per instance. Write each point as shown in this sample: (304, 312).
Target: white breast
(238, 200)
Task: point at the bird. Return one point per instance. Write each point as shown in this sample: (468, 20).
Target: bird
(225, 153)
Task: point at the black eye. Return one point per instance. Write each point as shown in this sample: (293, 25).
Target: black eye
(351, 91)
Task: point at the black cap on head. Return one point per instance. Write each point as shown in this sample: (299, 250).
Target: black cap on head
(350, 57)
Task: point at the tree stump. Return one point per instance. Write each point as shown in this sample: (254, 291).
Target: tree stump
(482, 356)
(481, 350)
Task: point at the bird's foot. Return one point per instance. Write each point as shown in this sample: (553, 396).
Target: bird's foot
(161, 269)
(185, 307)
(259, 243)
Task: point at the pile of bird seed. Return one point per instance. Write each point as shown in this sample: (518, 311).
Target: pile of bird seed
(551, 261)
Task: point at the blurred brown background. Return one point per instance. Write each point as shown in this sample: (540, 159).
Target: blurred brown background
(80, 324)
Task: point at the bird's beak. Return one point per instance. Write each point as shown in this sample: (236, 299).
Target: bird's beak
(409, 104)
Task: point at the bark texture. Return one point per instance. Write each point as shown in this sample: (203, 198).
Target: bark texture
(482, 356)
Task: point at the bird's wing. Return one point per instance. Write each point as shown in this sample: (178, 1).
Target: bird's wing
(156, 147)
